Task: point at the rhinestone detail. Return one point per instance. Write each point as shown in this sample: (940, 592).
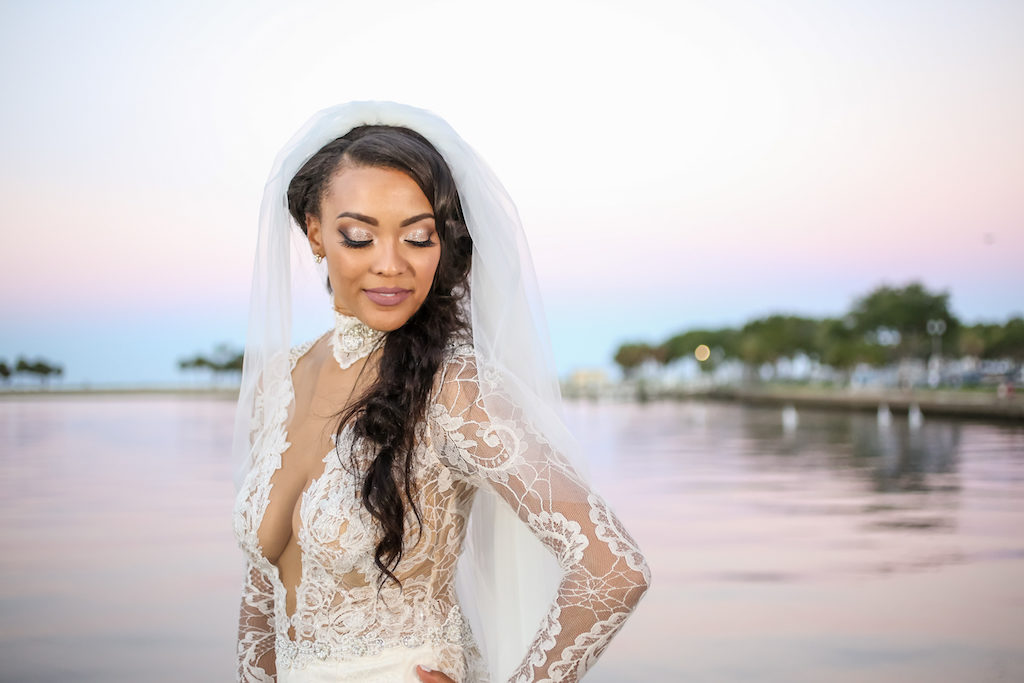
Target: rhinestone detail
(352, 339)
(294, 655)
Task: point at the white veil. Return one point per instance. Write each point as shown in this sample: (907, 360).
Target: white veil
(505, 579)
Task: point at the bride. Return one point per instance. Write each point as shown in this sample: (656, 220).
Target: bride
(410, 504)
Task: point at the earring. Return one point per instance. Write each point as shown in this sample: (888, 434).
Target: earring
(318, 257)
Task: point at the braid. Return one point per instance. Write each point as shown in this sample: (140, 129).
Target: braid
(386, 414)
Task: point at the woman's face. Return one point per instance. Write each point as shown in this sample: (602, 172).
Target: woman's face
(376, 230)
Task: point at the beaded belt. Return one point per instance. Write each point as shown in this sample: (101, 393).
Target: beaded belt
(296, 655)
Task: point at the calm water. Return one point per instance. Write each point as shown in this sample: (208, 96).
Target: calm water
(838, 551)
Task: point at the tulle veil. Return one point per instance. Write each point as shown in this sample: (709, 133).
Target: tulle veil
(505, 579)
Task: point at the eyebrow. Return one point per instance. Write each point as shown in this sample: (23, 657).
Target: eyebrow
(373, 221)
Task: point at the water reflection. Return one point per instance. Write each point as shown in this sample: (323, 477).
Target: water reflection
(828, 537)
(905, 459)
(894, 456)
(116, 556)
(831, 549)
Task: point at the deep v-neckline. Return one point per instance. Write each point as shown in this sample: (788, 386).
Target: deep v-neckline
(283, 425)
(297, 532)
(304, 493)
(345, 438)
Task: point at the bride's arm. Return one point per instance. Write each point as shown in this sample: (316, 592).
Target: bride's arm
(604, 572)
(256, 658)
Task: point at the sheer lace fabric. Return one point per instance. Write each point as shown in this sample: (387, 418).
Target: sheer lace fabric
(337, 615)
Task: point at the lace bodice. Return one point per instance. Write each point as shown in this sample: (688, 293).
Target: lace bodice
(336, 611)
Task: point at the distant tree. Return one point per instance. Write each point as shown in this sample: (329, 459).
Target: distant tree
(885, 325)
(197, 362)
(224, 360)
(56, 370)
(904, 311)
(975, 339)
(765, 340)
(233, 362)
(5, 371)
(684, 344)
(1008, 341)
(722, 342)
(40, 368)
(680, 345)
(659, 353)
(629, 357)
(842, 347)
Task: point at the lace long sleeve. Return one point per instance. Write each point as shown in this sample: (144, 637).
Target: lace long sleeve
(604, 572)
(256, 663)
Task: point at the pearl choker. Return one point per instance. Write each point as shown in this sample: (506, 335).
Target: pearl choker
(352, 339)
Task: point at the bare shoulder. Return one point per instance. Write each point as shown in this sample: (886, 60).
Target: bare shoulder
(300, 354)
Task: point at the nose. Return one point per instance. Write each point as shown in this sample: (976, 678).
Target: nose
(388, 260)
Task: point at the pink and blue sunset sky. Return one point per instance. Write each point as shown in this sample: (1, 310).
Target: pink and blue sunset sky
(675, 164)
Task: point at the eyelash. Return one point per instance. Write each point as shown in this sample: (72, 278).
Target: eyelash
(353, 244)
(359, 244)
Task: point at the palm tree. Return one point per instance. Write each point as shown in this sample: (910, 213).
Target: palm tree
(40, 368)
(224, 360)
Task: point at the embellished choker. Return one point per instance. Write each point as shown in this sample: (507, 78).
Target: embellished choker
(352, 339)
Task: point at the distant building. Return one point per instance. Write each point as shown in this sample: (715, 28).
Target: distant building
(588, 383)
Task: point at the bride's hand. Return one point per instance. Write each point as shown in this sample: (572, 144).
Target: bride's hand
(430, 676)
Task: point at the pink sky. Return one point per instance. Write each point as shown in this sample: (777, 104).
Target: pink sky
(674, 166)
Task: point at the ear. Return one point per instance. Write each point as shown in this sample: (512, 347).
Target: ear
(314, 234)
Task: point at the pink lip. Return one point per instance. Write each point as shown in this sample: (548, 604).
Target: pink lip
(387, 296)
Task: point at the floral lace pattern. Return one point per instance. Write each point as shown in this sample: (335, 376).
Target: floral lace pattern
(454, 631)
(463, 448)
(351, 339)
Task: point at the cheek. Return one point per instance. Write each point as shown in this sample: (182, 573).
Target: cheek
(346, 267)
(426, 267)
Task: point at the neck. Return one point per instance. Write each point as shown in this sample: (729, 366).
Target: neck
(352, 339)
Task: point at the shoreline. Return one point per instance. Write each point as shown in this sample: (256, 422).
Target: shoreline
(100, 392)
(937, 403)
(953, 404)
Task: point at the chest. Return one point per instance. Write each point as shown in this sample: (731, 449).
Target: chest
(310, 498)
(314, 493)
(309, 440)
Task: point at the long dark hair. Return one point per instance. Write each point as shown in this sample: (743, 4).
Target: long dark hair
(387, 412)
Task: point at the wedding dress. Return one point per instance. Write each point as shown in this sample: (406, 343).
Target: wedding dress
(521, 572)
(341, 631)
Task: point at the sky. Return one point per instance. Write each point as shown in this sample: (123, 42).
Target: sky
(675, 164)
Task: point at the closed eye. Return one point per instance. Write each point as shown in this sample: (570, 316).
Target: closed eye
(354, 244)
(424, 243)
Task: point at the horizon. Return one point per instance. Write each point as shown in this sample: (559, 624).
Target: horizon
(180, 377)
